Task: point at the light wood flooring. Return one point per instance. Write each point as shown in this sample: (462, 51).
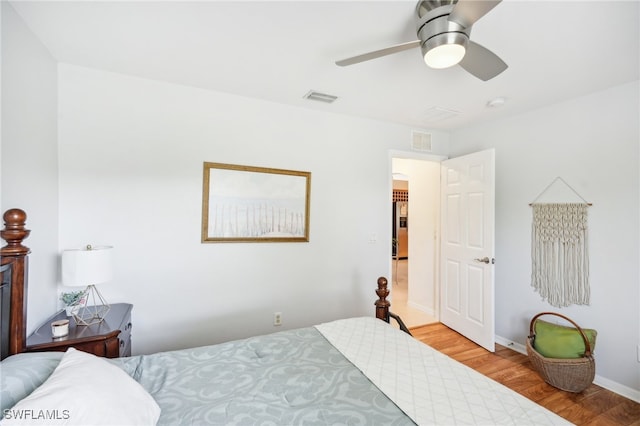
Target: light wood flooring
(594, 406)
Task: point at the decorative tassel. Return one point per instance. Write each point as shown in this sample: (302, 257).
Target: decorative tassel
(559, 253)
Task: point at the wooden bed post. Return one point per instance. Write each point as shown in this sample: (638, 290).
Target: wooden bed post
(382, 305)
(15, 254)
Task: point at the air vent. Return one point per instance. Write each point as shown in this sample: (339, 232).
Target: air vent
(421, 141)
(438, 114)
(322, 97)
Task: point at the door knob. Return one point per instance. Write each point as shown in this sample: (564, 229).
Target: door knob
(483, 260)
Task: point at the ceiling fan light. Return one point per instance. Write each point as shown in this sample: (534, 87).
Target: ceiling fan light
(444, 50)
(444, 56)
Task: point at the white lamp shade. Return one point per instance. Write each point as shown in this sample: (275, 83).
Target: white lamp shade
(82, 267)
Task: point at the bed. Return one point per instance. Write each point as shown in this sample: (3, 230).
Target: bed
(355, 371)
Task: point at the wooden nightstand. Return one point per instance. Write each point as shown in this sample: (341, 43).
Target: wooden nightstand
(111, 338)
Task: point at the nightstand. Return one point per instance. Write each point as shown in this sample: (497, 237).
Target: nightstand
(111, 338)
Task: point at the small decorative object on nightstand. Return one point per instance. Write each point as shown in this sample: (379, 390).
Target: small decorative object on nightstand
(109, 338)
(72, 300)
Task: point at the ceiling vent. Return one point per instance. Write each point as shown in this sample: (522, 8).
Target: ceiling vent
(438, 114)
(322, 97)
(421, 141)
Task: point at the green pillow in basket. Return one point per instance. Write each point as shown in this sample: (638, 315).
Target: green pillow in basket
(557, 341)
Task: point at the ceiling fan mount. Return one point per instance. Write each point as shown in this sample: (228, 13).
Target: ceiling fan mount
(443, 28)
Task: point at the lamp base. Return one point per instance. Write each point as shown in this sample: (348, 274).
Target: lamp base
(96, 312)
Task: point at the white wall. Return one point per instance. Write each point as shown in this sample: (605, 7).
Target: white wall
(131, 154)
(29, 167)
(593, 144)
(423, 220)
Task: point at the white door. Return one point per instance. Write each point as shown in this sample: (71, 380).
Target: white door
(467, 246)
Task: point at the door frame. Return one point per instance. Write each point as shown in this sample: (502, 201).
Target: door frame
(412, 155)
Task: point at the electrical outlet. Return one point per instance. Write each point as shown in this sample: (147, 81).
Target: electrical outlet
(277, 318)
(638, 353)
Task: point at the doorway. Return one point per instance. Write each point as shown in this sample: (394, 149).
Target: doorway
(457, 233)
(414, 292)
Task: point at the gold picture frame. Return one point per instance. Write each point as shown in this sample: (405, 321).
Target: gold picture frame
(254, 204)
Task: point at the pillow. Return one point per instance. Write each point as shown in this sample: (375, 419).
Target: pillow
(20, 374)
(557, 341)
(85, 390)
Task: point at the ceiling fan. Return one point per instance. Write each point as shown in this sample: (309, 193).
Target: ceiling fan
(443, 29)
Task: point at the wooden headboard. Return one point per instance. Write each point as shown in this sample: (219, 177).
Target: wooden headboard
(14, 272)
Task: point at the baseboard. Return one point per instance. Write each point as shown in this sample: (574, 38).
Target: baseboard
(511, 345)
(616, 387)
(421, 308)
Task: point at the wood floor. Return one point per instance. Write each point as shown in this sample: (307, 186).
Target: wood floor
(594, 406)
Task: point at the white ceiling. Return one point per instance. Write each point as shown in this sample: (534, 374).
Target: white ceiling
(278, 51)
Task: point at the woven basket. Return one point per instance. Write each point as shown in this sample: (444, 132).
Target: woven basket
(574, 374)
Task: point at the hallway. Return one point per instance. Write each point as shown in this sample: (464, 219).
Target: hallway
(399, 284)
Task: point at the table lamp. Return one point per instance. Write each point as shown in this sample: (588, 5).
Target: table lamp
(87, 267)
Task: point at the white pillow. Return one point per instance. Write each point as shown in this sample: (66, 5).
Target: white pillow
(85, 390)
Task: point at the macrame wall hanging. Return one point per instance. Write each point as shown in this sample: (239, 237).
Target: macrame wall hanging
(559, 251)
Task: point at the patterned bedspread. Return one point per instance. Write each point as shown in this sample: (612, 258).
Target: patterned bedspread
(287, 378)
(345, 372)
(430, 387)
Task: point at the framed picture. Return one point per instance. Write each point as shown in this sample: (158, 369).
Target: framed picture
(254, 204)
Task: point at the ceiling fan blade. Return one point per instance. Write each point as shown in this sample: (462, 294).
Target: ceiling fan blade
(467, 12)
(481, 62)
(378, 53)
